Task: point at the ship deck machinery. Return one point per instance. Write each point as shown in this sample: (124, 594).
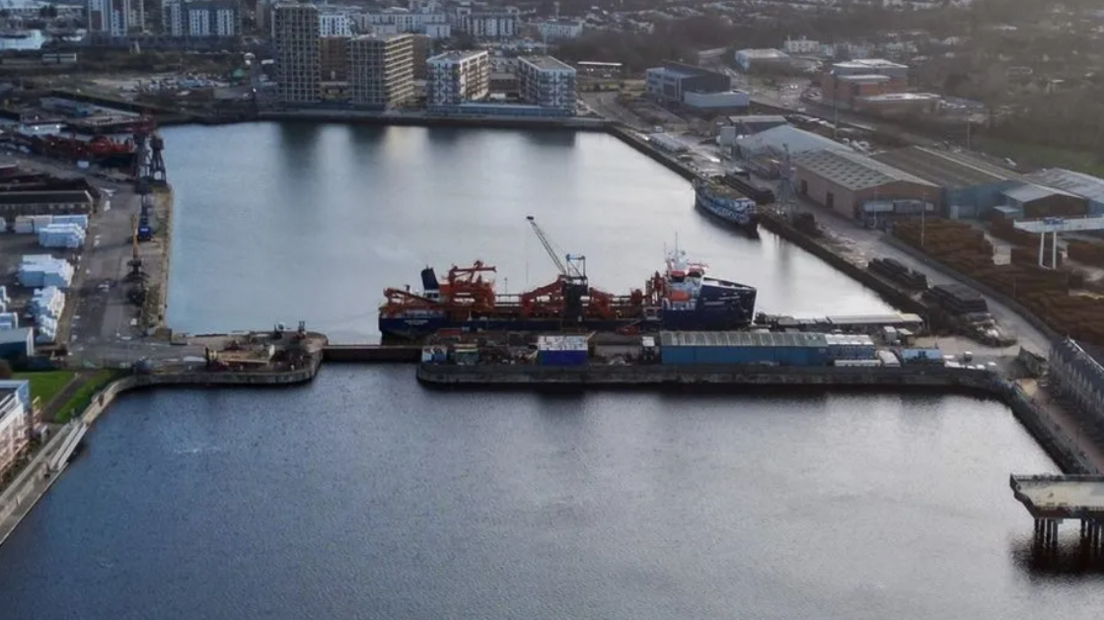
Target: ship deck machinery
(682, 298)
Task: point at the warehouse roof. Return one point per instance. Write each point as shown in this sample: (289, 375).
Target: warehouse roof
(778, 139)
(1079, 183)
(19, 334)
(944, 168)
(853, 171)
(1030, 191)
(23, 198)
(741, 339)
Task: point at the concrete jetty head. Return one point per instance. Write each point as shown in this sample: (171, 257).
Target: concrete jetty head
(1060, 497)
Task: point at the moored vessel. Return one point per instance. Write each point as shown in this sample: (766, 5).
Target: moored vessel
(726, 204)
(684, 297)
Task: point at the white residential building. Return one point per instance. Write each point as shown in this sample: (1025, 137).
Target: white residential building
(547, 82)
(218, 18)
(398, 21)
(457, 77)
(14, 421)
(489, 25)
(559, 29)
(109, 18)
(298, 53)
(801, 46)
(334, 24)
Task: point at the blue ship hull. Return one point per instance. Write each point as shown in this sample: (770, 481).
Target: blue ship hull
(737, 212)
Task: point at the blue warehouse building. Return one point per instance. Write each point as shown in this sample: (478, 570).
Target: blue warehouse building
(744, 348)
(971, 186)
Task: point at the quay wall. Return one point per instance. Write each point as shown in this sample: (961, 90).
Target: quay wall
(644, 147)
(360, 353)
(1034, 418)
(432, 120)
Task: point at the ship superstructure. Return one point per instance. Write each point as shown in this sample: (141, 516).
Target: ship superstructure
(725, 203)
(683, 297)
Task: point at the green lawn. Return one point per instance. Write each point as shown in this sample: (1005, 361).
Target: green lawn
(83, 396)
(45, 384)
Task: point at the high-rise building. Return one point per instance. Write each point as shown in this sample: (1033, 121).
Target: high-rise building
(109, 18)
(335, 63)
(548, 83)
(422, 45)
(298, 55)
(14, 421)
(457, 76)
(381, 70)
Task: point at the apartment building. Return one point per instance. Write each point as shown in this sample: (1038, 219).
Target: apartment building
(220, 18)
(109, 18)
(334, 24)
(546, 82)
(298, 55)
(456, 77)
(381, 70)
(15, 431)
(335, 60)
(399, 21)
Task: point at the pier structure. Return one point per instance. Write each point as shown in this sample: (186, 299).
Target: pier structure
(1052, 499)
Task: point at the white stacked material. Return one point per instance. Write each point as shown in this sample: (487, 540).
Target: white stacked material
(47, 304)
(9, 320)
(46, 330)
(24, 225)
(44, 270)
(61, 236)
(41, 221)
(79, 220)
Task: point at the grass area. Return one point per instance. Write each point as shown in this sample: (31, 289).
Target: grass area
(83, 396)
(1041, 155)
(46, 384)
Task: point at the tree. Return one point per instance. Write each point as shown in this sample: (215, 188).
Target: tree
(5, 370)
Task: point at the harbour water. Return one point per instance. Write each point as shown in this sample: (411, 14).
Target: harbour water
(364, 496)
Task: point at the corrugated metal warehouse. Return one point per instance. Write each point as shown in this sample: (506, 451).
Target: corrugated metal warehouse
(970, 185)
(774, 142)
(858, 185)
(1087, 186)
(1036, 201)
(744, 348)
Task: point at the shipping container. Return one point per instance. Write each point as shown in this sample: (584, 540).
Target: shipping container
(858, 363)
(910, 356)
(888, 358)
(562, 358)
(744, 348)
(563, 342)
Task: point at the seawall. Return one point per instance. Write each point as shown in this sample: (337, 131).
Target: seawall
(36, 478)
(362, 353)
(644, 147)
(434, 120)
(729, 378)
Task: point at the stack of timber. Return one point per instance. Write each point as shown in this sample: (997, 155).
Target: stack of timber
(1085, 252)
(893, 270)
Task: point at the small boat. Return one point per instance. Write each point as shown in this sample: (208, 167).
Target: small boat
(726, 204)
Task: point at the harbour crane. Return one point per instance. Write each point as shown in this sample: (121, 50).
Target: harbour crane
(571, 294)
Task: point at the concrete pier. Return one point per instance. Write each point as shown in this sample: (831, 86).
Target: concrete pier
(1053, 499)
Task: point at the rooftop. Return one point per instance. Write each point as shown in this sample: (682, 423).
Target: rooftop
(902, 97)
(1028, 192)
(1078, 183)
(778, 139)
(758, 118)
(764, 54)
(870, 63)
(456, 55)
(863, 77)
(853, 171)
(742, 339)
(40, 197)
(8, 336)
(950, 170)
(547, 63)
(1060, 495)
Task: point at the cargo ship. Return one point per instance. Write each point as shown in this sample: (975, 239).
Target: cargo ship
(726, 204)
(684, 297)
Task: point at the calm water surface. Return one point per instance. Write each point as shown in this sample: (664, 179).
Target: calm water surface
(364, 496)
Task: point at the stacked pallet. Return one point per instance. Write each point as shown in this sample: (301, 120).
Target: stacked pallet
(1002, 228)
(944, 238)
(1086, 252)
(1029, 256)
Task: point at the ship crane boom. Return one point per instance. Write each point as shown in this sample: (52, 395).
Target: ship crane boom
(574, 269)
